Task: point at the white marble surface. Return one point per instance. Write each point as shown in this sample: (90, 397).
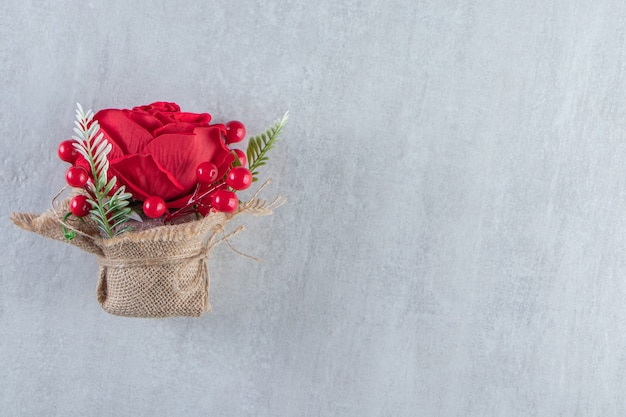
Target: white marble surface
(453, 243)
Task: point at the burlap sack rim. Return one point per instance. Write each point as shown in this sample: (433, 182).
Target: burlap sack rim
(172, 233)
(49, 224)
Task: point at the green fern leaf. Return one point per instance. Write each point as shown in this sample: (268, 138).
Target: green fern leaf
(259, 145)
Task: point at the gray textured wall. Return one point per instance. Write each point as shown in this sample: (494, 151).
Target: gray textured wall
(453, 243)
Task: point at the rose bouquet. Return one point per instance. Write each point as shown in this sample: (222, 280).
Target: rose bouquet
(152, 189)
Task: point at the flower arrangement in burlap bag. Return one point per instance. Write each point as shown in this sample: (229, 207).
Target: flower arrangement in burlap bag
(152, 191)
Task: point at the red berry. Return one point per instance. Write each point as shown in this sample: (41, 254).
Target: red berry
(239, 178)
(224, 200)
(79, 206)
(76, 176)
(82, 162)
(203, 209)
(67, 152)
(154, 207)
(206, 172)
(242, 157)
(235, 131)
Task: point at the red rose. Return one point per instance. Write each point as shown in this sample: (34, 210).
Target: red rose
(156, 149)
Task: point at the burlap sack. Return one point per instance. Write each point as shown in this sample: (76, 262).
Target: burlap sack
(158, 272)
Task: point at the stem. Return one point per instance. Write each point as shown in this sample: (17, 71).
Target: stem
(71, 234)
(100, 208)
(193, 200)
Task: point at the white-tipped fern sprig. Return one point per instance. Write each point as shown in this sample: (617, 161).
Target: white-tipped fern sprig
(109, 212)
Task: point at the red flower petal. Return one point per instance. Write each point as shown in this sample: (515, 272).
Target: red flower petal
(221, 127)
(116, 151)
(165, 117)
(179, 202)
(123, 131)
(199, 118)
(180, 154)
(144, 119)
(145, 177)
(159, 106)
(223, 163)
(175, 127)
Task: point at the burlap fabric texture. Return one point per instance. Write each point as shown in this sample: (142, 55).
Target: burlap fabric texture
(158, 272)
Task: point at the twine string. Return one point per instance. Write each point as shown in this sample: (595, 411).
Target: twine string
(62, 218)
(174, 259)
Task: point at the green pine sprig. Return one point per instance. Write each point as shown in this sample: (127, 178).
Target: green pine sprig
(109, 212)
(259, 145)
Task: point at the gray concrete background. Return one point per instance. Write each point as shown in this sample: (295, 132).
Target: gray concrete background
(453, 243)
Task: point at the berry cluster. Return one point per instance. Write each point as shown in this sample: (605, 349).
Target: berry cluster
(76, 176)
(210, 193)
